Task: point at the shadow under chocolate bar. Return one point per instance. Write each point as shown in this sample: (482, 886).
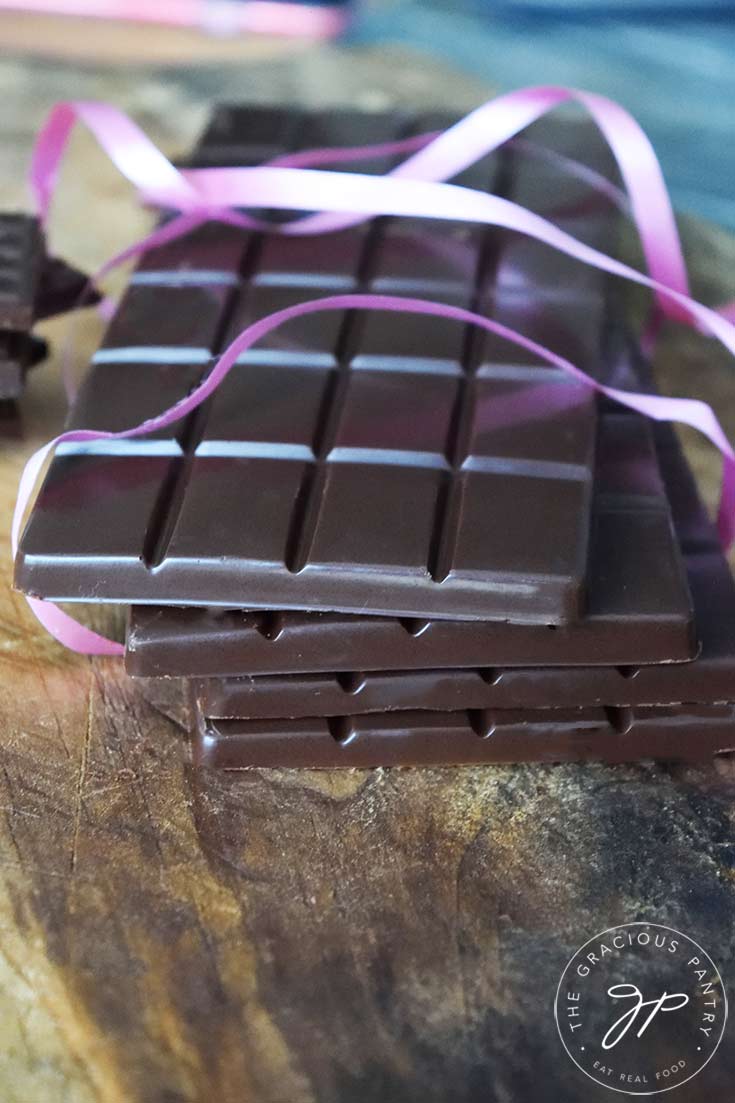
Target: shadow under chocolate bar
(638, 604)
(351, 461)
(686, 733)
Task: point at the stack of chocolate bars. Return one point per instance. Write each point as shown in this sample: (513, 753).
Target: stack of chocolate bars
(33, 286)
(389, 539)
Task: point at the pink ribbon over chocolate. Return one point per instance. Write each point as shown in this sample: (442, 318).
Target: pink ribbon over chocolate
(414, 188)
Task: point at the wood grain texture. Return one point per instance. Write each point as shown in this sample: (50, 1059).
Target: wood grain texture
(170, 935)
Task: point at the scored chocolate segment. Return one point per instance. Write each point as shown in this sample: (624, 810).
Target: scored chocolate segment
(350, 128)
(117, 395)
(638, 607)
(154, 318)
(421, 475)
(21, 258)
(213, 252)
(428, 259)
(688, 733)
(329, 263)
(248, 414)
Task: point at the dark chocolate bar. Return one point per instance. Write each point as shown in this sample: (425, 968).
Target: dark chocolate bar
(351, 461)
(708, 678)
(638, 610)
(688, 733)
(21, 260)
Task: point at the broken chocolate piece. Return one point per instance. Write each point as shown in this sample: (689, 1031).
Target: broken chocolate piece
(21, 260)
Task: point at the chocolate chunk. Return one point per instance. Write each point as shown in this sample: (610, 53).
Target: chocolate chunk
(61, 288)
(212, 253)
(34, 285)
(152, 319)
(710, 677)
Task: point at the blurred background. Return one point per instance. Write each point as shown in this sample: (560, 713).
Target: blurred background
(670, 61)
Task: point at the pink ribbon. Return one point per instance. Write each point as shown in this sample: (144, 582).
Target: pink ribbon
(276, 17)
(415, 188)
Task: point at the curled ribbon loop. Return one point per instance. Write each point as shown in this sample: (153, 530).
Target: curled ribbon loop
(128, 147)
(440, 158)
(414, 188)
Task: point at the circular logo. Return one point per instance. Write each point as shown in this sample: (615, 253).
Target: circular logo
(641, 1008)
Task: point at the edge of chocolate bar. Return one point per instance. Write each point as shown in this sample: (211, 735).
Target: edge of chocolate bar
(709, 678)
(690, 733)
(166, 641)
(21, 261)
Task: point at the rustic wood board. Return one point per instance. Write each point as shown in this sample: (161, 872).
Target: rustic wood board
(171, 935)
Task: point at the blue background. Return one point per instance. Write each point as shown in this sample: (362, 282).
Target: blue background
(672, 64)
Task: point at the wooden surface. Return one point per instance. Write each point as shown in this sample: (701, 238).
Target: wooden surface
(171, 935)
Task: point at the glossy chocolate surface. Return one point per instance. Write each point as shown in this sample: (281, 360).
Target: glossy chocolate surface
(638, 604)
(688, 733)
(351, 462)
